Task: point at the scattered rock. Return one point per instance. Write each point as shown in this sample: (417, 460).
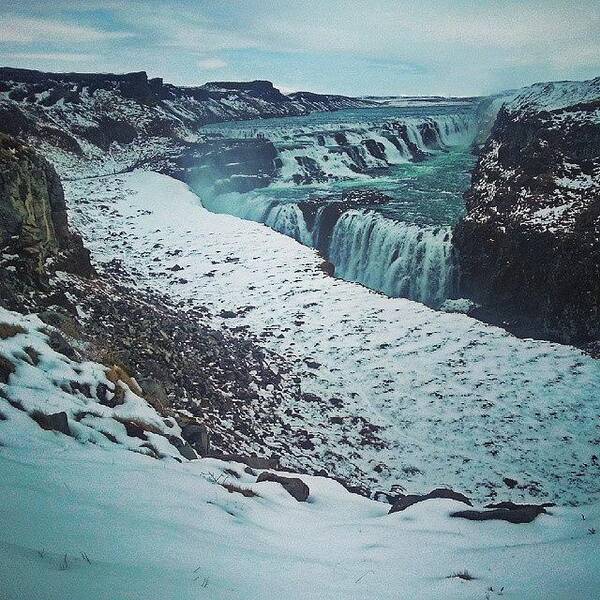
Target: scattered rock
(403, 502)
(292, 485)
(227, 314)
(54, 422)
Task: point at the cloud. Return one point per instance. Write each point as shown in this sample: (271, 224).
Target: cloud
(26, 30)
(211, 63)
(50, 56)
(186, 29)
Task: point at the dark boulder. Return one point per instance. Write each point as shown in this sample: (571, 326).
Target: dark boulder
(292, 485)
(198, 437)
(54, 422)
(403, 502)
(184, 448)
(504, 511)
(375, 149)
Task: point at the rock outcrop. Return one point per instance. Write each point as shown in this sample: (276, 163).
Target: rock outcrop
(33, 222)
(529, 245)
(32, 204)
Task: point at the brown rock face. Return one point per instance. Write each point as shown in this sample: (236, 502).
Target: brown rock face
(33, 225)
(32, 205)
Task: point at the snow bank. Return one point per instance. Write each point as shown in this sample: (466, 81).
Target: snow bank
(95, 521)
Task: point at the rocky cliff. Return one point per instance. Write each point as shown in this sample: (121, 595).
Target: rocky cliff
(33, 221)
(529, 245)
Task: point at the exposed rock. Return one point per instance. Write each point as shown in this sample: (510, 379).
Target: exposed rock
(185, 449)
(197, 435)
(32, 204)
(55, 422)
(294, 486)
(33, 224)
(506, 511)
(59, 344)
(529, 245)
(224, 165)
(403, 502)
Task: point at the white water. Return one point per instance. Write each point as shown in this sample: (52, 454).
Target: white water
(391, 255)
(399, 259)
(348, 156)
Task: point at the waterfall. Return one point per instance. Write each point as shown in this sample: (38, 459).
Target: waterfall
(332, 151)
(396, 258)
(400, 259)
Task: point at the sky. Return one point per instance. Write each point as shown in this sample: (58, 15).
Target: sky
(375, 47)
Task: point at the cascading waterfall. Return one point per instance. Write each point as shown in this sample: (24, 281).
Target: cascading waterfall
(350, 150)
(398, 259)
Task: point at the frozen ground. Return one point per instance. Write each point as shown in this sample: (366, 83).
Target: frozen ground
(406, 395)
(88, 517)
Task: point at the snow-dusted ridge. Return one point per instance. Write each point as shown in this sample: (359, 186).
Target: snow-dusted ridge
(449, 399)
(555, 95)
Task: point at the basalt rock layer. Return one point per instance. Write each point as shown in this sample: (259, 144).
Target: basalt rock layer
(33, 223)
(529, 245)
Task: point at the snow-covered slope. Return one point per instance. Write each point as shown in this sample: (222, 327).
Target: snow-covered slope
(95, 512)
(396, 393)
(90, 114)
(555, 95)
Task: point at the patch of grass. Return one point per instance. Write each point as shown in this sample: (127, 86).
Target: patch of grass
(234, 488)
(71, 328)
(8, 330)
(110, 357)
(464, 575)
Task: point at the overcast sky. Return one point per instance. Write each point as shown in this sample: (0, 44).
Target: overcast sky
(341, 46)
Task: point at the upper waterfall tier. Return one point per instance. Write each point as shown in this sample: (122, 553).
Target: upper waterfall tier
(318, 149)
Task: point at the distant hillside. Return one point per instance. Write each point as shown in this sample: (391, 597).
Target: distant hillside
(83, 114)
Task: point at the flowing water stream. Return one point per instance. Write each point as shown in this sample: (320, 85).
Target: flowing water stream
(418, 158)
